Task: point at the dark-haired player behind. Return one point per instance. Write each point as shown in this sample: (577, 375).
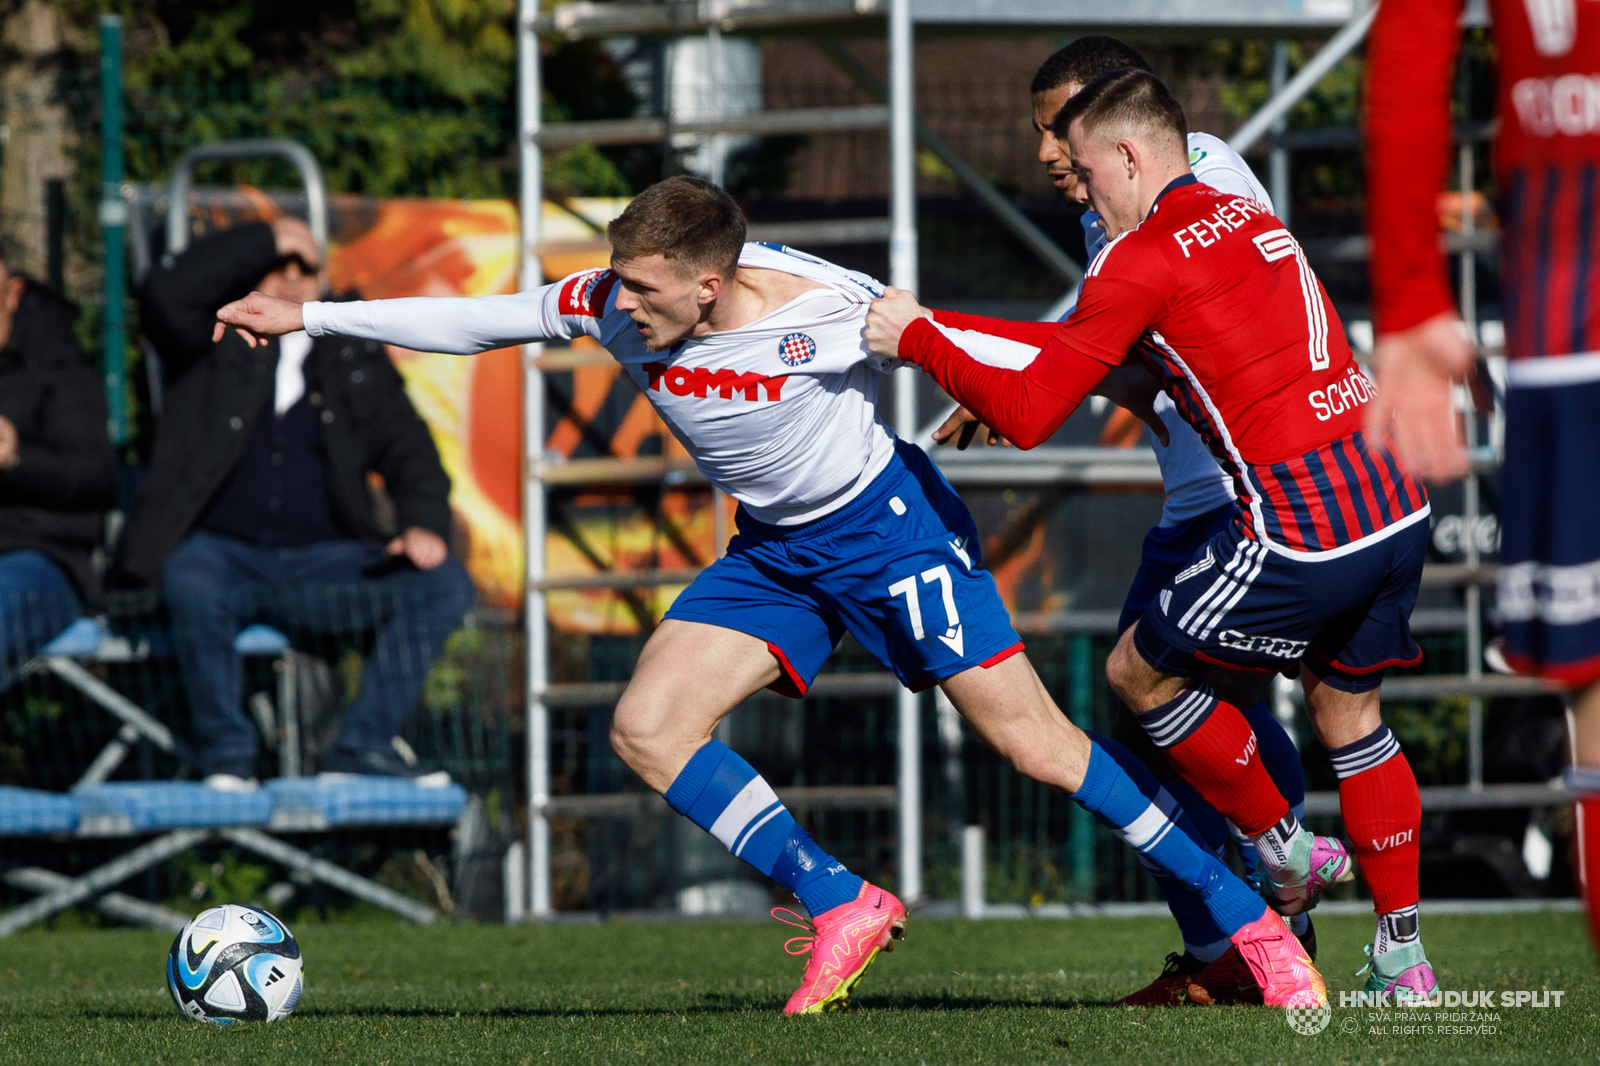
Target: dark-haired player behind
(1320, 566)
(1547, 157)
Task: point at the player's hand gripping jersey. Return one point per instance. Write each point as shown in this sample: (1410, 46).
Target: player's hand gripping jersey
(1218, 300)
(781, 414)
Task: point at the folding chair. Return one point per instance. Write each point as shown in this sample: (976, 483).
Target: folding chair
(92, 641)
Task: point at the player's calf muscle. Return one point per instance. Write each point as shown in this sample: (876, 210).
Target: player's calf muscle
(1010, 709)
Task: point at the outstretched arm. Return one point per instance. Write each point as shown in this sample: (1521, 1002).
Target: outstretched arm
(458, 325)
(1421, 350)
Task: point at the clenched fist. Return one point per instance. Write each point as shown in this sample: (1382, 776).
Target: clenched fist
(1417, 370)
(888, 317)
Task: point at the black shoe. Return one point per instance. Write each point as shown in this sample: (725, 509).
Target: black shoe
(380, 762)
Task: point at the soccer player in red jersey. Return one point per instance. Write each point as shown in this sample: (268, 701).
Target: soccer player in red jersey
(1320, 567)
(1547, 157)
(1198, 502)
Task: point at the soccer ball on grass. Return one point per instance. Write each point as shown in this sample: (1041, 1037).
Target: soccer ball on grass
(234, 964)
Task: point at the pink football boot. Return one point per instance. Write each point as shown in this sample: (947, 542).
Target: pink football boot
(842, 944)
(1279, 962)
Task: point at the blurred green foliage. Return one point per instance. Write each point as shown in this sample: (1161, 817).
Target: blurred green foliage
(394, 97)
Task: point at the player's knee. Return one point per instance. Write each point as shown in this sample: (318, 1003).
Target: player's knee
(1123, 671)
(636, 729)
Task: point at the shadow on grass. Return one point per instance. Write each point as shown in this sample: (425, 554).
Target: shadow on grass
(926, 1004)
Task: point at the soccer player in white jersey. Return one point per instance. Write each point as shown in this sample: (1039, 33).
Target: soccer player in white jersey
(1199, 503)
(753, 357)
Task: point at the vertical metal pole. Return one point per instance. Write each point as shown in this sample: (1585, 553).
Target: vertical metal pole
(1278, 158)
(972, 870)
(1283, 706)
(533, 499)
(1080, 708)
(903, 275)
(717, 143)
(113, 217)
(55, 224)
(1472, 600)
(902, 154)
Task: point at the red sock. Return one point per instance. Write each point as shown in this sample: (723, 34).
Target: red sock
(1383, 817)
(1586, 839)
(1222, 761)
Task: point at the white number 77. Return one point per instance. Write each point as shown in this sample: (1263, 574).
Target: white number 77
(907, 587)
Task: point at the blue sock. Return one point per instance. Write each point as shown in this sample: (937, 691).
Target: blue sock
(1201, 935)
(1123, 793)
(722, 794)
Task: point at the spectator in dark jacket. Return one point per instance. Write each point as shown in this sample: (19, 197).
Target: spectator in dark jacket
(56, 469)
(260, 503)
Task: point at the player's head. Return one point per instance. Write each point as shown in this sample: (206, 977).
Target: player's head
(290, 276)
(1066, 71)
(675, 249)
(1128, 139)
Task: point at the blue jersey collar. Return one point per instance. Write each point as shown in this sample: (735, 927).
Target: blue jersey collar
(1175, 183)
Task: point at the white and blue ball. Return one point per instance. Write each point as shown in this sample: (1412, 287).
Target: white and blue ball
(234, 964)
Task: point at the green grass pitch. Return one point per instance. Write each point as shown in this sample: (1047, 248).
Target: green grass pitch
(954, 992)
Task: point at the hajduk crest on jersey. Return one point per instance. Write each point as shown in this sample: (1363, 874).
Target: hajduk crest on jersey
(797, 349)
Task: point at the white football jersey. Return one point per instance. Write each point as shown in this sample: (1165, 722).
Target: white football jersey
(781, 413)
(1190, 476)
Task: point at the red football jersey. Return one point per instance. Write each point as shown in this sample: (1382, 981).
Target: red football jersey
(1546, 156)
(1217, 298)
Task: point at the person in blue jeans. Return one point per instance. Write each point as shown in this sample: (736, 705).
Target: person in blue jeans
(262, 506)
(56, 469)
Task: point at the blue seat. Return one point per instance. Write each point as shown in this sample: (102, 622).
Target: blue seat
(319, 803)
(25, 811)
(260, 640)
(152, 806)
(80, 640)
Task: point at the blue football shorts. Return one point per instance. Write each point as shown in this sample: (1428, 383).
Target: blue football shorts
(1549, 595)
(1167, 550)
(898, 567)
(1242, 605)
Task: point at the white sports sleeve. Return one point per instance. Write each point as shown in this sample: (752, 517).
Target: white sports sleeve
(990, 350)
(463, 325)
(1223, 169)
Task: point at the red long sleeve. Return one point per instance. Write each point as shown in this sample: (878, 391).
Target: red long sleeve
(1027, 405)
(1409, 62)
